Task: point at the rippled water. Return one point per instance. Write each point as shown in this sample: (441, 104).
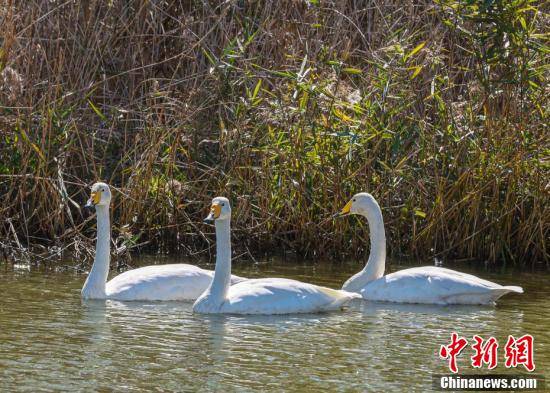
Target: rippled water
(51, 340)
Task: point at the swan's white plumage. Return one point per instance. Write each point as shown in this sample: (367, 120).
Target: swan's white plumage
(259, 296)
(277, 296)
(428, 284)
(161, 282)
(157, 282)
(434, 285)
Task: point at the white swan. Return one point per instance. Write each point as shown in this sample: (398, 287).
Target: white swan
(428, 284)
(157, 282)
(259, 296)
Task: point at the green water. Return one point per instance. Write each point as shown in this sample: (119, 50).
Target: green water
(52, 341)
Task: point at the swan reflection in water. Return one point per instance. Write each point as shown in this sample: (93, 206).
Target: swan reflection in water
(257, 348)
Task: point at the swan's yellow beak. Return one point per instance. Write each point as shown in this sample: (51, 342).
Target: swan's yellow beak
(346, 209)
(215, 211)
(96, 197)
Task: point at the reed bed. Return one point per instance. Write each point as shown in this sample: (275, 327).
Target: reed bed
(438, 108)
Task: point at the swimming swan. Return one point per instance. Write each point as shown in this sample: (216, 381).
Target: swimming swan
(427, 284)
(157, 282)
(258, 296)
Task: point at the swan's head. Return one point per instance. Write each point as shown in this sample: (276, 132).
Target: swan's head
(100, 196)
(219, 210)
(362, 203)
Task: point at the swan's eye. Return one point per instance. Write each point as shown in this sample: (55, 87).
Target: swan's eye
(354, 200)
(223, 204)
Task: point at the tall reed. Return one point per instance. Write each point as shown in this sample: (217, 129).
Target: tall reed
(437, 108)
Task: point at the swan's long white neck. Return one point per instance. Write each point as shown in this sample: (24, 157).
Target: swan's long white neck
(217, 291)
(376, 263)
(94, 287)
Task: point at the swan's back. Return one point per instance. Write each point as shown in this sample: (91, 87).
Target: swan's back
(435, 285)
(283, 296)
(161, 282)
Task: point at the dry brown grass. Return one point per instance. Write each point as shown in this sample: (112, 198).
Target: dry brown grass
(286, 107)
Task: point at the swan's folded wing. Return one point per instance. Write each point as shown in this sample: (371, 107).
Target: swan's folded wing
(433, 285)
(160, 282)
(282, 296)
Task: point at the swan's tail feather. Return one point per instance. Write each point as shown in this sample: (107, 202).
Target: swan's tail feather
(352, 295)
(340, 298)
(236, 279)
(513, 288)
(498, 292)
(344, 298)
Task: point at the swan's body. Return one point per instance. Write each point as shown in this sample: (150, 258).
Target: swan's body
(259, 296)
(434, 285)
(157, 282)
(276, 296)
(161, 282)
(427, 284)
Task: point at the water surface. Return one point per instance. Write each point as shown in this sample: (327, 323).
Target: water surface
(50, 340)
